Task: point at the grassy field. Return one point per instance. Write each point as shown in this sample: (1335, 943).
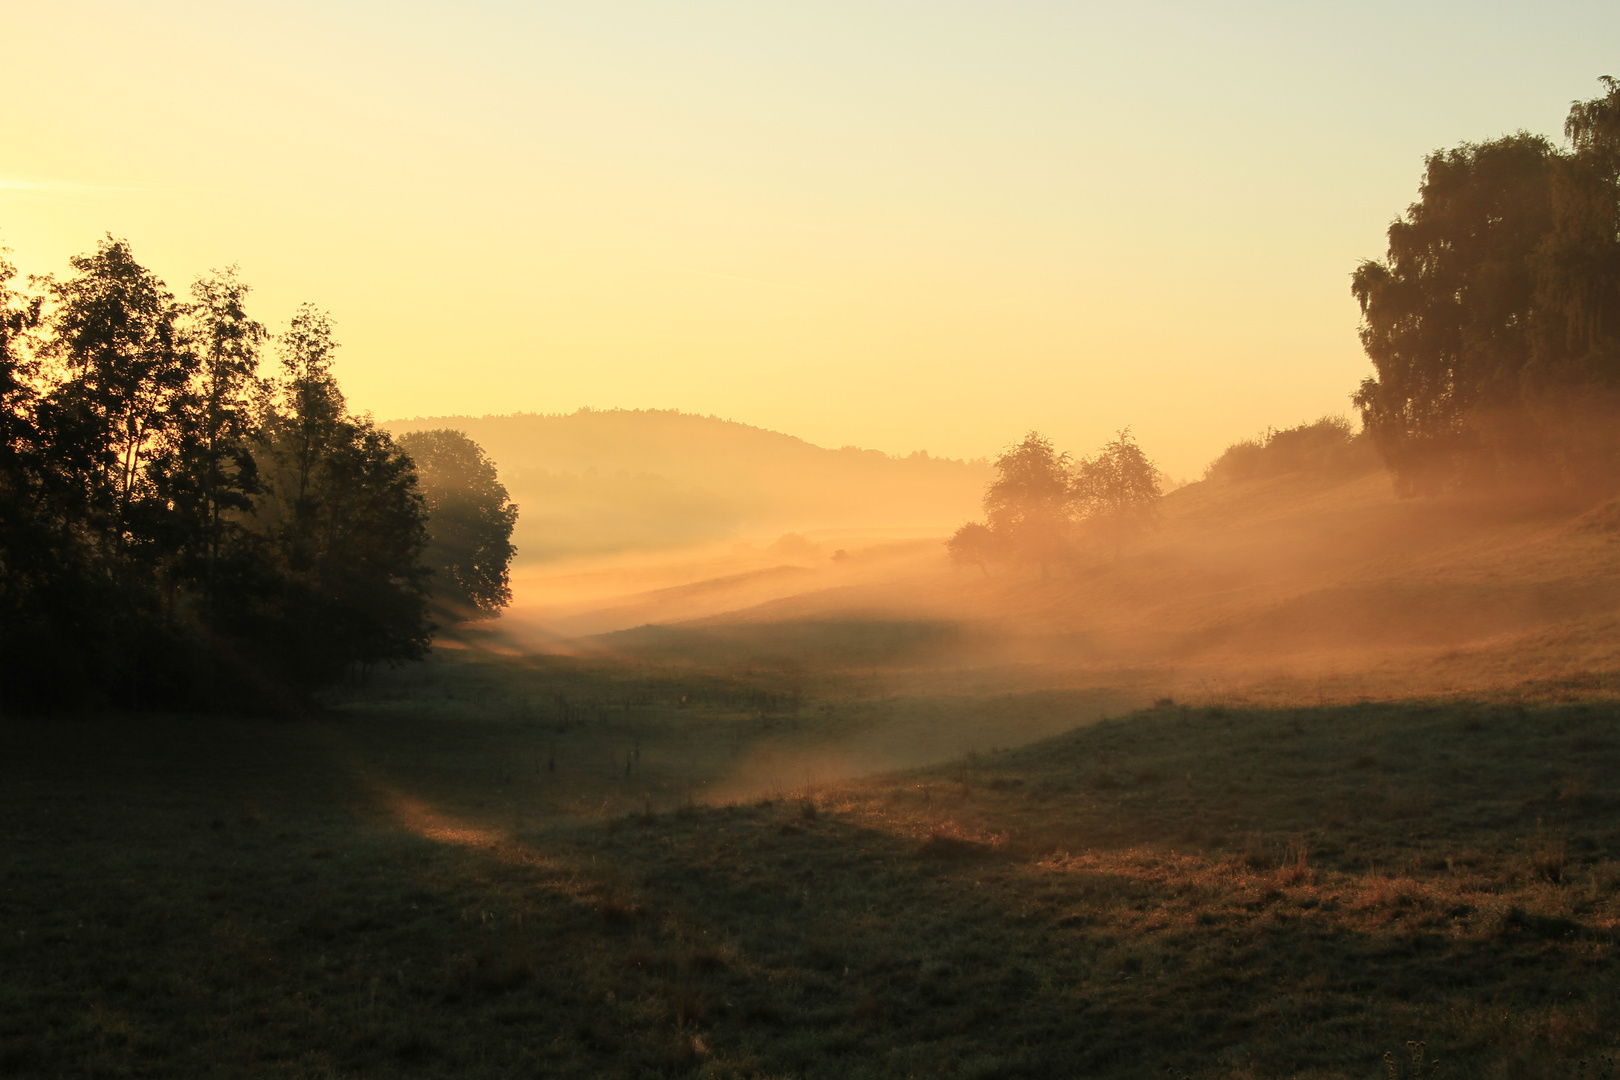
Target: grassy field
(506, 867)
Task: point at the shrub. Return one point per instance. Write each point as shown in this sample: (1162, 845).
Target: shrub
(1328, 446)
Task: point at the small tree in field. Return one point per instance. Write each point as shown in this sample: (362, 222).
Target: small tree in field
(1117, 489)
(1028, 504)
(973, 545)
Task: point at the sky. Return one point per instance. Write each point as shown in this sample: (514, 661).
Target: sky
(894, 225)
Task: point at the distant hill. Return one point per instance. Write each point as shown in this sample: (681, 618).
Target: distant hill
(623, 480)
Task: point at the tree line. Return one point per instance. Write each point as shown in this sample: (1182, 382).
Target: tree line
(1042, 503)
(178, 529)
(1493, 324)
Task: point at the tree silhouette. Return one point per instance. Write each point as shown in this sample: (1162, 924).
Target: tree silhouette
(1326, 446)
(19, 450)
(470, 521)
(1446, 319)
(303, 418)
(1579, 286)
(1573, 382)
(43, 598)
(1033, 504)
(1027, 505)
(173, 530)
(1117, 490)
(1494, 323)
(973, 545)
(342, 515)
(216, 475)
(115, 327)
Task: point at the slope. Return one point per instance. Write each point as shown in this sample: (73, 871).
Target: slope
(627, 480)
(1330, 580)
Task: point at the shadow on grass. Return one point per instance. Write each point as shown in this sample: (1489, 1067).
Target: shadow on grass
(1230, 892)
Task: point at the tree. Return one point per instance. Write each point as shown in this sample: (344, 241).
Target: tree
(1494, 324)
(1579, 287)
(304, 419)
(470, 522)
(175, 531)
(215, 476)
(19, 319)
(370, 525)
(1027, 505)
(39, 552)
(1327, 446)
(973, 545)
(1572, 385)
(111, 404)
(1446, 319)
(341, 516)
(1117, 489)
(116, 329)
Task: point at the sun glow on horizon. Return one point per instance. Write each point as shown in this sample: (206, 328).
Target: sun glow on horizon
(897, 227)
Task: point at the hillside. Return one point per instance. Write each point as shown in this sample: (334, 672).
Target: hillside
(1327, 579)
(1310, 776)
(592, 482)
(1318, 574)
(488, 868)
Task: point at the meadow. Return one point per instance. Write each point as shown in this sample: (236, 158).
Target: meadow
(501, 865)
(643, 743)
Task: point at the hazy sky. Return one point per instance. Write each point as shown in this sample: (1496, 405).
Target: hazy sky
(898, 225)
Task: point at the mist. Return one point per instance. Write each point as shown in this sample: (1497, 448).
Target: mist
(1115, 719)
(600, 482)
(1293, 573)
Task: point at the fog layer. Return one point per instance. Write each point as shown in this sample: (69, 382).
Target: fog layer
(1322, 585)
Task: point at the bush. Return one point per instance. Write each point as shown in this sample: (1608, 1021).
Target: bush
(1328, 446)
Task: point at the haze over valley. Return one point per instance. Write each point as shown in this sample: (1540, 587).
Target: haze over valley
(810, 541)
(1305, 575)
(600, 482)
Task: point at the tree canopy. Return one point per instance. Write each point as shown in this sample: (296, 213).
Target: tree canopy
(1028, 505)
(1493, 324)
(1117, 489)
(1329, 445)
(1043, 503)
(470, 521)
(176, 529)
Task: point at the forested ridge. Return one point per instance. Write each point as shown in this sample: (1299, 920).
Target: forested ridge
(178, 529)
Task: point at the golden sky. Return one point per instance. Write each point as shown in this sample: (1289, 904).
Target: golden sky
(897, 225)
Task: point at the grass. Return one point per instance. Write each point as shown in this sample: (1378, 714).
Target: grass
(448, 878)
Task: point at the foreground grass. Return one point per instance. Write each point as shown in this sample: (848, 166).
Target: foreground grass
(1201, 892)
